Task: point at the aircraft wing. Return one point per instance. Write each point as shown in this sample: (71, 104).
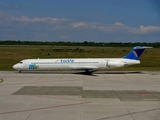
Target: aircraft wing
(84, 67)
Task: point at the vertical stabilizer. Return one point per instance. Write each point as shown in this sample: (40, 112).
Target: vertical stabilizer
(136, 52)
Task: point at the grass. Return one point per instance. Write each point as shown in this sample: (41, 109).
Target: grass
(9, 55)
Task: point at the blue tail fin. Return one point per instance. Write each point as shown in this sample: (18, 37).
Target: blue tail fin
(136, 52)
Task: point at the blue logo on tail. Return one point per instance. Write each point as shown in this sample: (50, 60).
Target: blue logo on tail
(136, 52)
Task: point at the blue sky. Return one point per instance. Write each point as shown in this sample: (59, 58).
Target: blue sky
(80, 20)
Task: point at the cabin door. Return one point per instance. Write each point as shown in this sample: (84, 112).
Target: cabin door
(107, 66)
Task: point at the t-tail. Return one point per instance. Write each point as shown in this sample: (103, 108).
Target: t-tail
(136, 52)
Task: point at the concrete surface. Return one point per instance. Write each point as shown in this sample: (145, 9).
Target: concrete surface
(75, 96)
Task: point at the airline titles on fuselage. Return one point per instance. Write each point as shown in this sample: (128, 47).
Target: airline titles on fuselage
(59, 61)
(66, 60)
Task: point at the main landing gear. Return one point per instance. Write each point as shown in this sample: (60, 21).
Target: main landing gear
(19, 71)
(88, 72)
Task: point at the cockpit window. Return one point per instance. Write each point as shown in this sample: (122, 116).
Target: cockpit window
(20, 62)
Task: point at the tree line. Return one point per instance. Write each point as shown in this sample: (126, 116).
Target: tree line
(85, 43)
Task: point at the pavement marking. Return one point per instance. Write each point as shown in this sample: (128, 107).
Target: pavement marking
(132, 113)
(123, 95)
(43, 81)
(1, 80)
(43, 108)
(143, 92)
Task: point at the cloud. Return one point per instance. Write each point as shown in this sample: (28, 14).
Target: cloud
(79, 24)
(145, 30)
(68, 24)
(119, 24)
(52, 28)
(37, 19)
(63, 23)
(111, 27)
(98, 26)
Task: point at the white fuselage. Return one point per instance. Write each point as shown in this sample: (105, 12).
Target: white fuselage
(74, 63)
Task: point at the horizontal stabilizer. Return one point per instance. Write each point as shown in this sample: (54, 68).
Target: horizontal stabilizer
(141, 47)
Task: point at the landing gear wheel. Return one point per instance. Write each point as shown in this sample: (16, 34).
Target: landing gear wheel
(87, 71)
(19, 71)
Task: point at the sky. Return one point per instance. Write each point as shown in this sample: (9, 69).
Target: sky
(80, 20)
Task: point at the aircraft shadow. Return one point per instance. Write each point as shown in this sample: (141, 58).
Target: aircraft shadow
(56, 72)
(93, 73)
(123, 72)
(85, 73)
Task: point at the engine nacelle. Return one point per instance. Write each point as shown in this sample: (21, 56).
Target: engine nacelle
(112, 64)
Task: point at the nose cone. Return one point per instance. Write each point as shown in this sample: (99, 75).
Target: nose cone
(15, 66)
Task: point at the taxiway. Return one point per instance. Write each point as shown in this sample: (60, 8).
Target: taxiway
(76, 96)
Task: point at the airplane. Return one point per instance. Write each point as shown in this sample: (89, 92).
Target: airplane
(87, 64)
